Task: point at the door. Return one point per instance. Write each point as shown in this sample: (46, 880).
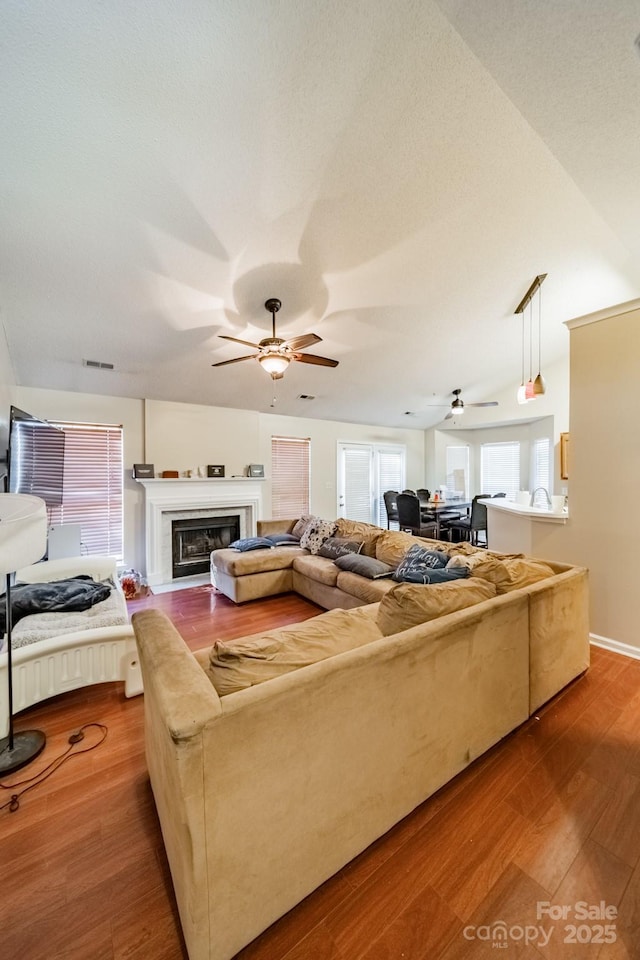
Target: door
(365, 471)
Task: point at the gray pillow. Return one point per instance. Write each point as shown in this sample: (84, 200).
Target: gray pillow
(367, 567)
(283, 539)
(437, 575)
(334, 547)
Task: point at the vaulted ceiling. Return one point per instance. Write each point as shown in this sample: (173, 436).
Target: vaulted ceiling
(396, 173)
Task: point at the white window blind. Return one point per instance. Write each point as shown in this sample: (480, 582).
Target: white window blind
(542, 463)
(357, 483)
(93, 483)
(290, 462)
(390, 475)
(458, 470)
(500, 469)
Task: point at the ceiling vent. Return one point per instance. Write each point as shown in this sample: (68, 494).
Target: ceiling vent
(305, 396)
(97, 364)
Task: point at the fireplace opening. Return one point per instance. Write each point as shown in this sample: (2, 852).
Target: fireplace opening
(193, 540)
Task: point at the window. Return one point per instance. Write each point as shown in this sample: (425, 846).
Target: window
(500, 469)
(365, 471)
(290, 459)
(458, 471)
(542, 463)
(92, 489)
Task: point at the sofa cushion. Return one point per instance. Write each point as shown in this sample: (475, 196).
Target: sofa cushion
(237, 664)
(367, 533)
(367, 567)
(419, 559)
(316, 533)
(334, 547)
(409, 604)
(523, 572)
(368, 591)
(251, 543)
(481, 565)
(316, 568)
(236, 564)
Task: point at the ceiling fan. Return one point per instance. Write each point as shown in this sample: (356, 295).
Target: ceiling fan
(456, 407)
(275, 354)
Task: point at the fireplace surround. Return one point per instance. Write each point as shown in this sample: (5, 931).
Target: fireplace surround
(170, 500)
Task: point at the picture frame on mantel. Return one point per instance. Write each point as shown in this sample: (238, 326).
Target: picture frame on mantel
(256, 470)
(215, 470)
(564, 456)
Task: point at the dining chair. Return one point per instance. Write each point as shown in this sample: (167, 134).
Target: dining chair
(391, 507)
(410, 517)
(471, 527)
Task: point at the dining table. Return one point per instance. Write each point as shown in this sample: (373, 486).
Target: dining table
(436, 510)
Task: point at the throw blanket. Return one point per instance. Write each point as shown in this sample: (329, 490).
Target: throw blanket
(75, 593)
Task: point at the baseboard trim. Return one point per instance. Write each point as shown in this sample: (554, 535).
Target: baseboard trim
(616, 646)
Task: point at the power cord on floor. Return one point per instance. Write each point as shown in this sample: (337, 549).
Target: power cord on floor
(30, 783)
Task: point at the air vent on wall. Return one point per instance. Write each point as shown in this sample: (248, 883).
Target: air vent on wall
(97, 364)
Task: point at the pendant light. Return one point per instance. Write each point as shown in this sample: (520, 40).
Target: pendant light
(538, 383)
(532, 388)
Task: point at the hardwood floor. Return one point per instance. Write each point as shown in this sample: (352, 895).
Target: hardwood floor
(550, 815)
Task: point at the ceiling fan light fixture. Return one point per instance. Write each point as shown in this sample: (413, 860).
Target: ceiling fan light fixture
(457, 407)
(274, 363)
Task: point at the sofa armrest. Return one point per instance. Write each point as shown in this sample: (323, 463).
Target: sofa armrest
(94, 566)
(275, 526)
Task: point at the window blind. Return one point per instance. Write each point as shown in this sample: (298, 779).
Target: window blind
(93, 486)
(458, 470)
(358, 482)
(542, 463)
(390, 464)
(290, 472)
(500, 469)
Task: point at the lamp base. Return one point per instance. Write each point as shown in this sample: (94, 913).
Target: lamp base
(26, 746)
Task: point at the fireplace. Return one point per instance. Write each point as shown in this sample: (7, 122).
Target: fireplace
(194, 539)
(169, 500)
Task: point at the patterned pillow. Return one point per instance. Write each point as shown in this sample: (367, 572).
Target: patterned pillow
(316, 533)
(420, 560)
(334, 547)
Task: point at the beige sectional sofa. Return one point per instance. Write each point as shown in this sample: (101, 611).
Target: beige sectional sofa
(265, 792)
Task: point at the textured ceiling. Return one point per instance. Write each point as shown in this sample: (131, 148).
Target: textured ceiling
(397, 174)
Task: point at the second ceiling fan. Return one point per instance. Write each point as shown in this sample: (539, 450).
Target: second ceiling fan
(275, 353)
(456, 407)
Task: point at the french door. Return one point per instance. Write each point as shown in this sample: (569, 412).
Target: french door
(365, 471)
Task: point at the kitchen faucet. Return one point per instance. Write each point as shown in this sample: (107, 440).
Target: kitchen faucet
(546, 493)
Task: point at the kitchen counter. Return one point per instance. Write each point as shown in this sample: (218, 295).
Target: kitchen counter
(519, 528)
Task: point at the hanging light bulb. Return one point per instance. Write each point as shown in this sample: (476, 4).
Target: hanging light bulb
(538, 383)
(529, 390)
(521, 394)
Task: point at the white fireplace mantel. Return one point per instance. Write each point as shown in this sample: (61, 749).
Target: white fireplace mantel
(176, 499)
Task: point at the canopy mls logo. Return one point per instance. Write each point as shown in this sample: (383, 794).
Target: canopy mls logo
(582, 930)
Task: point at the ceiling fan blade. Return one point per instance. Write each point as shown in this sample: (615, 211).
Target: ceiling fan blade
(312, 358)
(247, 343)
(485, 403)
(223, 363)
(306, 340)
(448, 416)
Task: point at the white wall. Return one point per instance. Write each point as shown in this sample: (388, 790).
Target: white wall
(179, 436)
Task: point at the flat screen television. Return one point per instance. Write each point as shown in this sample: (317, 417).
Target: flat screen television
(35, 458)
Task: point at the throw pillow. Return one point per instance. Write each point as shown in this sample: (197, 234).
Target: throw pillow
(251, 543)
(367, 567)
(420, 560)
(438, 575)
(301, 525)
(334, 547)
(283, 539)
(409, 604)
(316, 533)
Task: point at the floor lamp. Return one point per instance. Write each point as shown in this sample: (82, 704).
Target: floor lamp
(23, 540)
